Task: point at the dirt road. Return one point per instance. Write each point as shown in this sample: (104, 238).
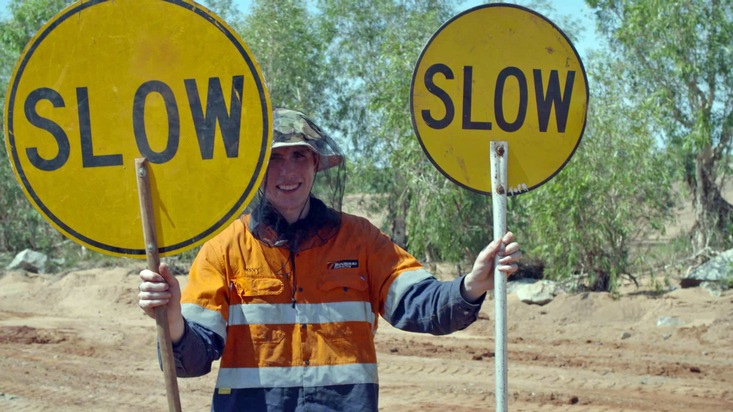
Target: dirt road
(78, 342)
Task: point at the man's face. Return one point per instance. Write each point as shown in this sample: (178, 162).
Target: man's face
(290, 176)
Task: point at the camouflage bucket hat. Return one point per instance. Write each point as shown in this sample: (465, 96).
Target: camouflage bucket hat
(293, 128)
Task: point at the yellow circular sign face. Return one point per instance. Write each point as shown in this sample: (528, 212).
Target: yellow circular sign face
(105, 82)
(499, 73)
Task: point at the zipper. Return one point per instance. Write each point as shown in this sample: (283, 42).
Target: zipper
(293, 281)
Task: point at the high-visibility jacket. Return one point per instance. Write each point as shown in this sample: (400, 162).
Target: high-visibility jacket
(297, 328)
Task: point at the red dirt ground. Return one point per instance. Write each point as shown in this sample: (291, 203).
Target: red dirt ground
(78, 342)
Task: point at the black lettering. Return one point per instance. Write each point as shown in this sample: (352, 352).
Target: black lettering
(499, 99)
(468, 123)
(441, 94)
(50, 126)
(88, 158)
(216, 111)
(553, 98)
(138, 121)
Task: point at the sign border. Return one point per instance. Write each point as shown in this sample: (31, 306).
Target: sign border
(141, 253)
(412, 90)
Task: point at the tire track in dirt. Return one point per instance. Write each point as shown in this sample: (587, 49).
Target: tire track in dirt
(80, 343)
(69, 373)
(541, 378)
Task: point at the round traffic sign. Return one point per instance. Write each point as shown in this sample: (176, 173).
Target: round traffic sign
(105, 82)
(499, 72)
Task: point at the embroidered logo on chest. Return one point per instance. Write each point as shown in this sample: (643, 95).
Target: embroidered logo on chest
(343, 264)
(253, 271)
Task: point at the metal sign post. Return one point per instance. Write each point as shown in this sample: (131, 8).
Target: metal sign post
(499, 154)
(493, 75)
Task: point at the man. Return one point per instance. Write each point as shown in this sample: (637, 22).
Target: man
(289, 295)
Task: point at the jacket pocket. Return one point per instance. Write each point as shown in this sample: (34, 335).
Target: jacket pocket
(258, 286)
(266, 334)
(345, 282)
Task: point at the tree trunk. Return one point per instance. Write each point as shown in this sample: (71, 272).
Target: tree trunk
(712, 212)
(399, 204)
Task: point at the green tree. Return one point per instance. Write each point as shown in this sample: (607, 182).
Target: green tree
(590, 219)
(20, 225)
(226, 11)
(374, 55)
(289, 46)
(681, 51)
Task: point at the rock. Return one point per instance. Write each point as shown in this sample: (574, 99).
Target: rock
(30, 261)
(625, 335)
(718, 269)
(538, 293)
(715, 289)
(672, 321)
(8, 397)
(511, 287)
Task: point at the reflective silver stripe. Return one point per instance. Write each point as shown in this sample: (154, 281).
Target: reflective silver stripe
(285, 314)
(399, 287)
(296, 376)
(209, 318)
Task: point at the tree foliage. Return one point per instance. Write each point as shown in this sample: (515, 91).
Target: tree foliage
(374, 55)
(682, 54)
(590, 220)
(20, 225)
(289, 46)
(351, 69)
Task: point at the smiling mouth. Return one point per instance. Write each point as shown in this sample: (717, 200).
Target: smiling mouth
(288, 188)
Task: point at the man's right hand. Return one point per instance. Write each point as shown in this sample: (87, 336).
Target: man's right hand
(162, 289)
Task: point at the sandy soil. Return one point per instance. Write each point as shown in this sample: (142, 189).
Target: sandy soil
(78, 342)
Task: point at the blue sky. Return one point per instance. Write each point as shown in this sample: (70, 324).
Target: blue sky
(575, 9)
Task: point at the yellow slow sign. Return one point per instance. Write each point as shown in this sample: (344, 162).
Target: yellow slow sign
(499, 73)
(105, 82)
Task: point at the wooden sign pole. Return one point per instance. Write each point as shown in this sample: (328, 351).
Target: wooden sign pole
(161, 313)
(499, 155)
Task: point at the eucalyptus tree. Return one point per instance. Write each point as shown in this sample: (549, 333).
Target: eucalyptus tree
(20, 225)
(681, 50)
(227, 11)
(287, 42)
(374, 52)
(590, 221)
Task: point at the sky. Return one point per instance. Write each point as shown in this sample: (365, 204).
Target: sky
(576, 9)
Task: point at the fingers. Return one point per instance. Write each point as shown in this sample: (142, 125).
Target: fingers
(491, 249)
(510, 254)
(152, 282)
(150, 276)
(511, 248)
(508, 269)
(166, 273)
(507, 238)
(148, 300)
(154, 289)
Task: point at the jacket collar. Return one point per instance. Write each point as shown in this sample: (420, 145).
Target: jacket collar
(269, 226)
